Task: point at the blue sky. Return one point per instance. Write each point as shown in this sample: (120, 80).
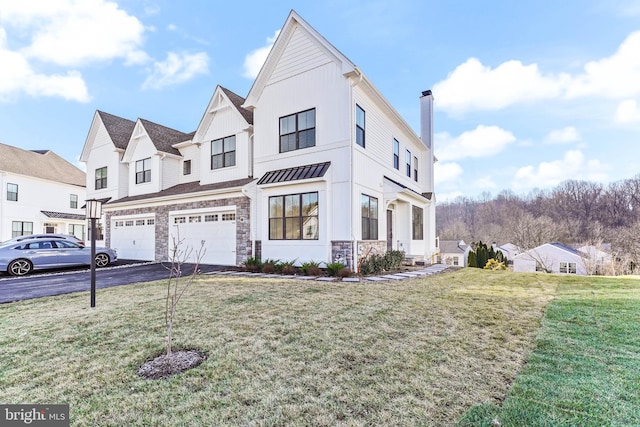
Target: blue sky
(527, 94)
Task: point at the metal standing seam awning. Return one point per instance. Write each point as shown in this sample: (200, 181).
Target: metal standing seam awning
(63, 215)
(316, 170)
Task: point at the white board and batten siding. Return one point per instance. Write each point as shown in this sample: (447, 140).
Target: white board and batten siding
(216, 227)
(134, 237)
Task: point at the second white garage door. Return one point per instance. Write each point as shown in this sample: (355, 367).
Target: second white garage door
(217, 230)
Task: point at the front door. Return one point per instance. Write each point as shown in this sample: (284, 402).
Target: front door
(389, 230)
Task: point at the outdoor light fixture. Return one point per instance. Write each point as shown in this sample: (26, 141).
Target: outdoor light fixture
(94, 211)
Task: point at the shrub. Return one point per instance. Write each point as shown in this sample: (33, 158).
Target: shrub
(376, 264)
(494, 264)
(311, 268)
(344, 272)
(287, 267)
(334, 267)
(269, 266)
(253, 264)
(394, 260)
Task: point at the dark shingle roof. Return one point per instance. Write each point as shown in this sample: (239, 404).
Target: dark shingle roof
(567, 248)
(163, 137)
(43, 164)
(451, 247)
(119, 129)
(51, 214)
(237, 101)
(184, 189)
(293, 174)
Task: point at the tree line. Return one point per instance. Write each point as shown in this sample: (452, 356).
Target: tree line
(574, 213)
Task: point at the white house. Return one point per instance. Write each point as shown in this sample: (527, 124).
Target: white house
(41, 193)
(551, 258)
(314, 164)
(596, 260)
(454, 252)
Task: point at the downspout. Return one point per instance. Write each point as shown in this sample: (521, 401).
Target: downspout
(354, 256)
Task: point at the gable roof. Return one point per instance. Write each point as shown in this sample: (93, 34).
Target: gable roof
(43, 164)
(164, 138)
(293, 22)
(119, 129)
(556, 245)
(451, 247)
(237, 101)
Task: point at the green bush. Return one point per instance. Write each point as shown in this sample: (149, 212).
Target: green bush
(287, 267)
(311, 268)
(269, 266)
(376, 264)
(253, 265)
(334, 267)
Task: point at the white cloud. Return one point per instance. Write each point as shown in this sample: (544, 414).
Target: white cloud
(177, 68)
(563, 136)
(549, 174)
(16, 76)
(75, 32)
(253, 61)
(483, 141)
(484, 183)
(628, 112)
(473, 86)
(446, 172)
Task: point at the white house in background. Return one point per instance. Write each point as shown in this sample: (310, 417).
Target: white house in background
(314, 164)
(41, 193)
(597, 261)
(454, 252)
(551, 258)
(509, 250)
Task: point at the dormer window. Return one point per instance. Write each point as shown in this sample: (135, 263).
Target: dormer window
(143, 170)
(298, 131)
(223, 152)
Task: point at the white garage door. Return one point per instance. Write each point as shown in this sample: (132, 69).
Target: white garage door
(217, 229)
(134, 238)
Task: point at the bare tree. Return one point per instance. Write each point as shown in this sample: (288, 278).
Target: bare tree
(177, 284)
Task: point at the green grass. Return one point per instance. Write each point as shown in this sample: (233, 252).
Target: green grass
(585, 368)
(286, 352)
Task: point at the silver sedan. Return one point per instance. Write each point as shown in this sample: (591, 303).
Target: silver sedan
(23, 257)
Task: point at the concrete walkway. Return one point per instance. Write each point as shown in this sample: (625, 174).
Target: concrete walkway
(427, 271)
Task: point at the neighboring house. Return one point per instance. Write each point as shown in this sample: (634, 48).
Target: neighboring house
(314, 164)
(454, 252)
(41, 193)
(597, 261)
(551, 258)
(509, 250)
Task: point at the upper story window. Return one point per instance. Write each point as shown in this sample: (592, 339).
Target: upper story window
(415, 168)
(73, 201)
(101, 178)
(12, 192)
(143, 170)
(293, 217)
(298, 131)
(369, 217)
(408, 157)
(396, 154)
(223, 152)
(360, 126)
(186, 167)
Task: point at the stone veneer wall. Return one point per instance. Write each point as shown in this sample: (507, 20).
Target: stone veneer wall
(367, 248)
(258, 253)
(243, 224)
(342, 251)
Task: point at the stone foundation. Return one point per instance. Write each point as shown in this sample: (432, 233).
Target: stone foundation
(342, 251)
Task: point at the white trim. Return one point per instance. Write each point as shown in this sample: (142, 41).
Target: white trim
(203, 210)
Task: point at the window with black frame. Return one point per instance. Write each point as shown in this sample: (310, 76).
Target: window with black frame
(293, 217)
(298, 131)
(369, 207)
(223, 152)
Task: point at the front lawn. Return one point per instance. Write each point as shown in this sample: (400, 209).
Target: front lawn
(283, 352)
(585, 368)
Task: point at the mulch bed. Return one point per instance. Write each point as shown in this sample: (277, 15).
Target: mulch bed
(165, 366)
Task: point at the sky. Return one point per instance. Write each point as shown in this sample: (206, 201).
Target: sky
(527, 94)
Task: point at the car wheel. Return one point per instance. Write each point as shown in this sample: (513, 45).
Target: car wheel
(102, 260)
(19, 267)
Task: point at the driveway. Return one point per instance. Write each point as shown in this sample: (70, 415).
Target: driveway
(44, 284)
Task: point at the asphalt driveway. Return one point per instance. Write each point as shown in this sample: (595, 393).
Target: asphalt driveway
(43, 284)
